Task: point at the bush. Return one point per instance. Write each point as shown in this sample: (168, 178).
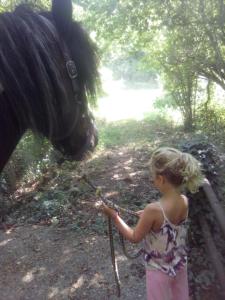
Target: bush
(211, 121)
(29, 160)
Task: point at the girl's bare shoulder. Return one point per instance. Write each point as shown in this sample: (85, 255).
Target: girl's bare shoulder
(186, 201)
(154, 212)
(153, 207)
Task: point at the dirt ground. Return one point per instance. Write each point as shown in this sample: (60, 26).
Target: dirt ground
(63, 261)
(67, 255)
(39, 262)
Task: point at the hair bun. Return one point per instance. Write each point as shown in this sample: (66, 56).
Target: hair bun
(181, 169)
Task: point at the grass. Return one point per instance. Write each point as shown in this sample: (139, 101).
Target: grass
(152, 129)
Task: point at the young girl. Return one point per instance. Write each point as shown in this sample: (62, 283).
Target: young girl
(163, 225)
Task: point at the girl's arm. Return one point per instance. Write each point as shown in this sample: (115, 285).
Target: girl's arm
(144, 225)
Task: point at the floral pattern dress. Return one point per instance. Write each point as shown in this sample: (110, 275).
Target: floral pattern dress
(166, 250)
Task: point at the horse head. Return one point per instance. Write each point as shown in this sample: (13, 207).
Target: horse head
(48, 69)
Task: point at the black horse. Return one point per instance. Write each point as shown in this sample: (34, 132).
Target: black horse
(47, 71)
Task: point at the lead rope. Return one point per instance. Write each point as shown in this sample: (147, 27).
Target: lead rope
(113, 257)
(123, 245)
(110, 232)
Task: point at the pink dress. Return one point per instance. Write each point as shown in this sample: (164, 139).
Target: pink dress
(165, 255)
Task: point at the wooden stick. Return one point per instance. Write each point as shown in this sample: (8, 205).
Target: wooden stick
(215, 204)
(214, 254)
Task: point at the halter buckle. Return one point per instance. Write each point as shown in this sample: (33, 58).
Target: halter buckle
(71, 69)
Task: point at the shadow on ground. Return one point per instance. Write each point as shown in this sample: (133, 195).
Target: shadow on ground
(53, 263)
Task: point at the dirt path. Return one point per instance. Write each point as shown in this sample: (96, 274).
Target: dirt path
(71, 261)
(39, 262)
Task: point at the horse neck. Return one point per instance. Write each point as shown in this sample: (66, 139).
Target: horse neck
(10, 134)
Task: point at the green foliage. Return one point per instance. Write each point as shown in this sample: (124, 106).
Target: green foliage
(131, 69)
(117, 25)
(167, 101)
(182, 40)
(8, 5)
(211, 120)
(31, 157)
(131, 132)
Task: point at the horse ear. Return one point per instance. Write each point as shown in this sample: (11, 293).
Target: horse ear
(62, 11)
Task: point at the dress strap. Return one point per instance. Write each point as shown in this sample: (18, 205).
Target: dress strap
(163, 212)
(165, 217)
(186, 218)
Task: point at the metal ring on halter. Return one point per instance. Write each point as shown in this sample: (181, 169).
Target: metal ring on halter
(73, 74)
(71, 69)
(70, 64)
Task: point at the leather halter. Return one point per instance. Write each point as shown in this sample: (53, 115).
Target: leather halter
(70, 64)
(72, 72)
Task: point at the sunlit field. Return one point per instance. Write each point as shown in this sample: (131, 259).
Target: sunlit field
(126, 114)
(125, 102)
(122, 102)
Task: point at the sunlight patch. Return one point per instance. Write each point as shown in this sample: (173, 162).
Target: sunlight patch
(111, 194)
(78, 284)
(5, 242)
(121, 102)
(129, 161)
(97, 279)
(28, 277)
(53, 293)
(121, 258)
(116, 176)
(30, 274)
(67, 251)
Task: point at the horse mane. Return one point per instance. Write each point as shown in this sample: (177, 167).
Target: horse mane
(32, 66)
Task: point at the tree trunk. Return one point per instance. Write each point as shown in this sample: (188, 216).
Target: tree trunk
(188, 120)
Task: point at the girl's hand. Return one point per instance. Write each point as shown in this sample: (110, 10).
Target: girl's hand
(140, 212)
(106, 209)
(109, 211)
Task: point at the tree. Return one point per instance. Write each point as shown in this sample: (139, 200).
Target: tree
(183, 39)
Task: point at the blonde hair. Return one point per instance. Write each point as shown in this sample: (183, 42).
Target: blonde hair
(180, 169)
